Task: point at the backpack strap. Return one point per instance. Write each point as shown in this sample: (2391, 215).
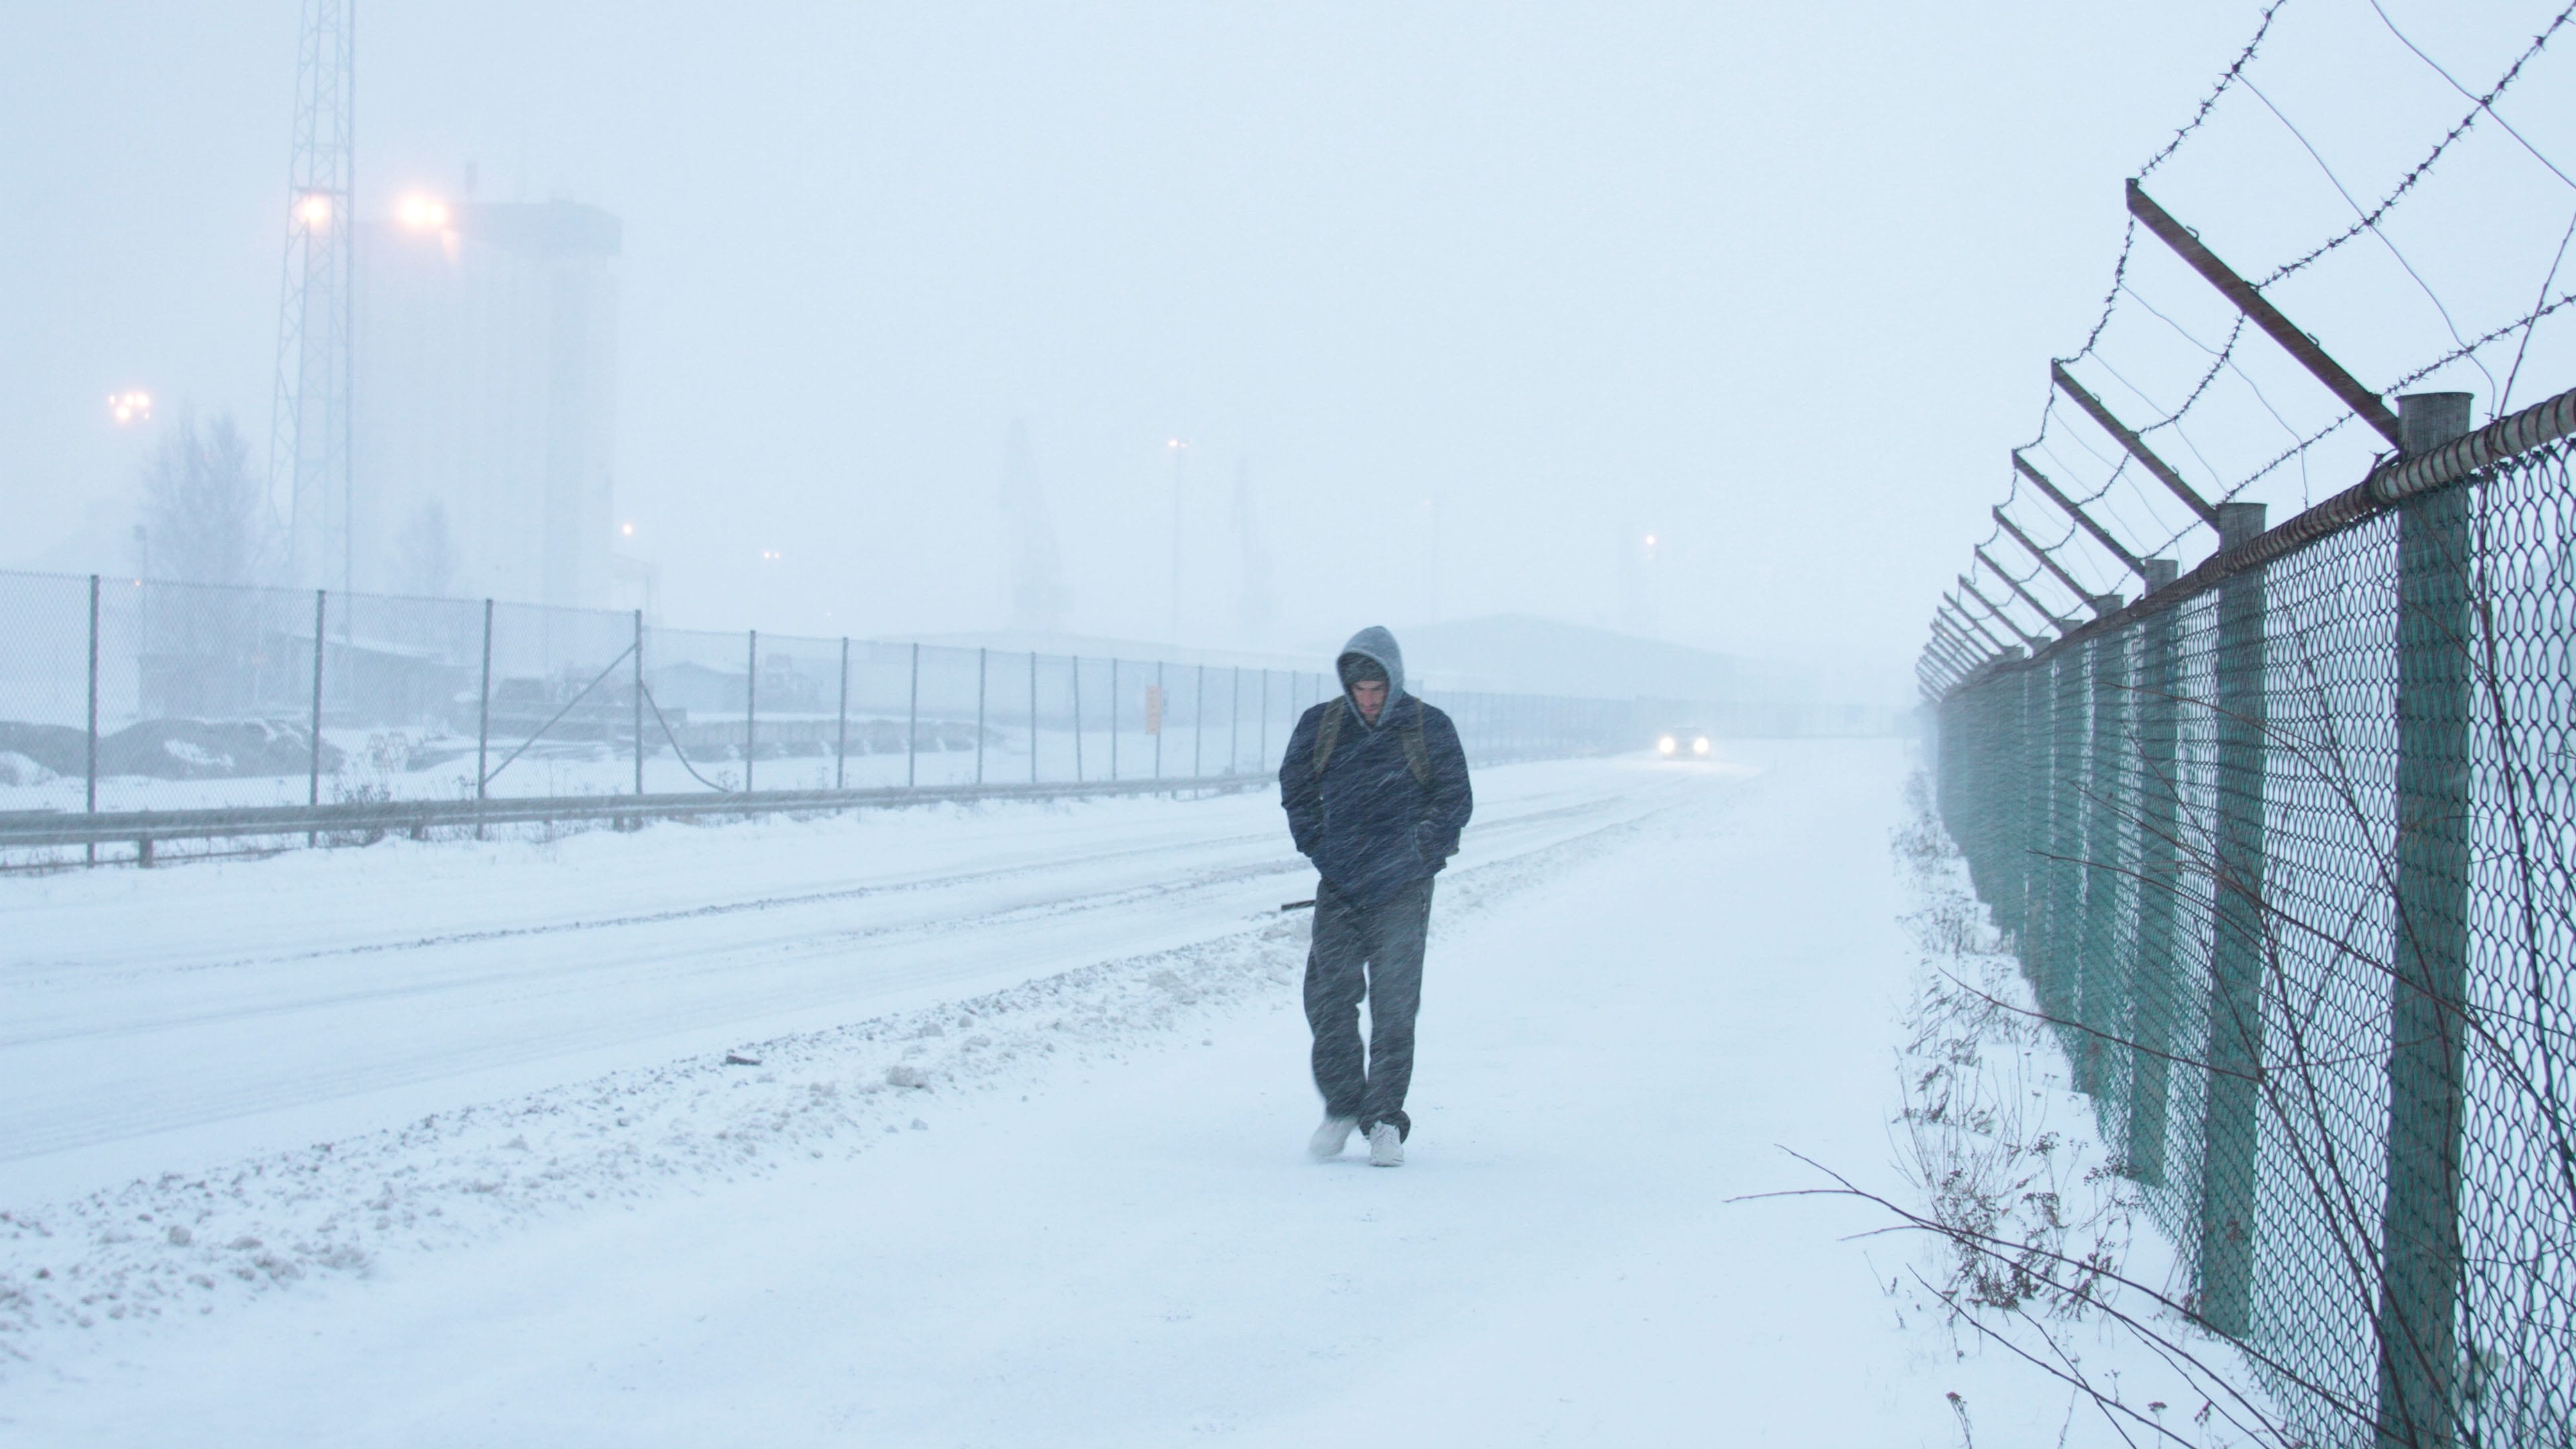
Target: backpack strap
(1329, 733)
(1417, 753)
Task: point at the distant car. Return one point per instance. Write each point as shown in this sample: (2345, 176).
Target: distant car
(1682, 743)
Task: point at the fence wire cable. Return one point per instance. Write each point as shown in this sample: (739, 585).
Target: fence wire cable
(622, 656)
(2370, 221)
(2504, 400)
(680, 754)
(2484, 106)
(2484, 102)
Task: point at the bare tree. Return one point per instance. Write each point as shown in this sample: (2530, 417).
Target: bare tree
(206, 516)
(426, 552)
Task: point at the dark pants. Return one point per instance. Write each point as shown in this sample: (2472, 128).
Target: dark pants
(1373, 951)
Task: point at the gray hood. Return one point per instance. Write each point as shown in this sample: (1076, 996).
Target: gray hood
(1375, 642)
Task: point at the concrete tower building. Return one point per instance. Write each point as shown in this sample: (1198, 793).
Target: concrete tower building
(486, 401)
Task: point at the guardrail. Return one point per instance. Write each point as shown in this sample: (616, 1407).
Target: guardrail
(369, 820)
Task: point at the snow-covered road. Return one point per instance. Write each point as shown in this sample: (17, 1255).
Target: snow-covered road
(1090, 1223)
(150, 1022)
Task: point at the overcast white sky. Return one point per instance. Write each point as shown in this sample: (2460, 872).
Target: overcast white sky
(1775, 282)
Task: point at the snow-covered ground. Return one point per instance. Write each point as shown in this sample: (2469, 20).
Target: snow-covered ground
(440, 1144)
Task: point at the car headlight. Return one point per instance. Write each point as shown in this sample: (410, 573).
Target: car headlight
(1700, 746)
(1667, 745)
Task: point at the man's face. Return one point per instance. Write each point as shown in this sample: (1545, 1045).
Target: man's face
(1370, 696)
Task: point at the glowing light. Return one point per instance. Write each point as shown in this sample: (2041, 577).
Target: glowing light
(130, 407)
(771, 555)
(626, 529)
(1700, 746)
(314, 211)
(421, 213)
(1666, 745)
(1650, 540)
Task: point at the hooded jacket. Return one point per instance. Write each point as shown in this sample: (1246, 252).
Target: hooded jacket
(1366, 822)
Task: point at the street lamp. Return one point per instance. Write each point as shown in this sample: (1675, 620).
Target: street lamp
(314, 210)
(421, 213)
(129, 408)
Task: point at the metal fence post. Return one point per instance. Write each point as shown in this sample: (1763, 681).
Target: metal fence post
(483, 722)
(1198, 725)
(639, 708)
(1033, 716)
(313, 790)
(841, 728)
(912, 726)
(750, 710)
(2101, 985)
(2151, 971)
(2420, 1225)
(2030, 811)
(1076, 664)
(1265, 718)
(2231, 1122)
(1162, 717)
(89, 796)
(979, 716)
(1113, 719)
(1234, 722)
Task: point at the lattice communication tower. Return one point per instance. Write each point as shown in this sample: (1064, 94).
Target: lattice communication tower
(309, 469)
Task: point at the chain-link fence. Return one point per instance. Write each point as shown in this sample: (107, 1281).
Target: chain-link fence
(2289, 857)
(129, 698)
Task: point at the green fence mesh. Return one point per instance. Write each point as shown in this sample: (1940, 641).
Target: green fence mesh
(2291, 865)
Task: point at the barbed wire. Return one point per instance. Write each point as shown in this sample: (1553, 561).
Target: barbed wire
(2223, 357)
(2110, 298)
(2528, 319)
(2464, 90)
(2295, 450)
(2384, 239)
(2221, 360)
(2370, 219)
(2209, 102)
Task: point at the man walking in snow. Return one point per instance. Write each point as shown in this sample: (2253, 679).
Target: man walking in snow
(1375, 785)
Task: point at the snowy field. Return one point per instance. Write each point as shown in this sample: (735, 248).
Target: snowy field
(441, 1144)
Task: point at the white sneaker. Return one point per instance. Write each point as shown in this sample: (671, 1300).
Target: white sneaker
(1328, 1140)
(1386, 1146)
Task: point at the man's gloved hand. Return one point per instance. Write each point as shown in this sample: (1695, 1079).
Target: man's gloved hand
(1428, 841)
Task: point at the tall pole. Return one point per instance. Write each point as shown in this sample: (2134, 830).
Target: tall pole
(313, 785)
(1076, 663)
(979, 716)
(639, 706)
(483, 718)
(90, 794)
(1234, 721)
(1198, 725)
(1033, 716)
(313, 790)
(1113, 719)
(750, 710)
(1180, 456)
(841, 731)
(912, 726)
